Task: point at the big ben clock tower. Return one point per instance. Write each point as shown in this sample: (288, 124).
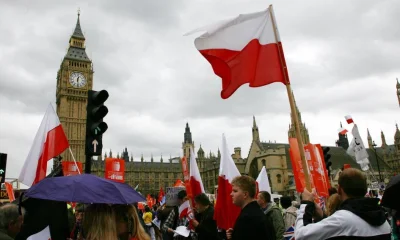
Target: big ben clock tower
(74, 79)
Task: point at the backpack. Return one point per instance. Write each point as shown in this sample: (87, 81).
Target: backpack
(289, 218)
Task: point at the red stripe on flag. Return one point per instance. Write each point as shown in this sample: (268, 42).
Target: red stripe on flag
(195, 185)
(256, 64)
(225, 212)
(56, 143)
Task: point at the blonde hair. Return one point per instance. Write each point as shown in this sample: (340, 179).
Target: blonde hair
(333, 203)
(246, 183)
(128, 213)
(99, 222)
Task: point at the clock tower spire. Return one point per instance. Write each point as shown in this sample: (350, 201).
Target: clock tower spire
(74, 79)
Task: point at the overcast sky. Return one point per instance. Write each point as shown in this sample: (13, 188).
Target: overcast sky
(343, 58)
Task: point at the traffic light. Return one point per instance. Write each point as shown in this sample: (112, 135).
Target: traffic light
(327, 157)
(95, 127)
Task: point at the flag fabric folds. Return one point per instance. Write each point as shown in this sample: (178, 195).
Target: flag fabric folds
(357, 149)
(244, 49)
(184, 208)
(50, 141)
(196, 183)
(349, 119)
(161, 194)
(226, 212)
(262, 181)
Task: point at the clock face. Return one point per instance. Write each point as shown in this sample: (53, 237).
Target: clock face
(77, 79)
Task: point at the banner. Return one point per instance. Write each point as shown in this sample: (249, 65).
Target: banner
(171, 195)
(316, 169)
(321, 156)
(295, 158)
(10, 191)
(70, 169)
(115, 169)
(186, 178)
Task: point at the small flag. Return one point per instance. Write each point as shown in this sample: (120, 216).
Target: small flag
(289, 234)
(342, 131)
(349, 119)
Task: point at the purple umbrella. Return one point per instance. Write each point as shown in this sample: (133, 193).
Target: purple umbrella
(84, 188)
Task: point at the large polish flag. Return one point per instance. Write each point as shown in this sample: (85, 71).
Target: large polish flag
(244, 49)
(195, 179)
(50, 141)
(262, 181)
(226, 212)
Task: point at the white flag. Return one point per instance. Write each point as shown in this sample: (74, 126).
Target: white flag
(263, 182)
(357, 149)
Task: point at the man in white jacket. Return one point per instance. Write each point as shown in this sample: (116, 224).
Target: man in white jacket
(357, 218)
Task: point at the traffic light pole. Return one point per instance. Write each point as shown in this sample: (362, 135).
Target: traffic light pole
(88, 164)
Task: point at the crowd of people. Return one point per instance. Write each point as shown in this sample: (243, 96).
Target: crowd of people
(351, 212)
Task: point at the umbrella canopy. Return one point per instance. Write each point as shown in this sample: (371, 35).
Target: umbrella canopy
(84, 188)
(391, 196)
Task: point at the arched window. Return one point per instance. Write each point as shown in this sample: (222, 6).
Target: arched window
(263, 162)
(278, 178)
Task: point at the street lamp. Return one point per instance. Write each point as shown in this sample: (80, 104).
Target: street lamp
(377, 161)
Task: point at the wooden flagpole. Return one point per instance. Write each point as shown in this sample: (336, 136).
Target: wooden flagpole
(291, 100)
(74, 160)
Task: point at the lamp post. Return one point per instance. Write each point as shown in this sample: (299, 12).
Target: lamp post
(377, 161)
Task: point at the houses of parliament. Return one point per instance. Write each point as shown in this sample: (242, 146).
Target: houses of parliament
(75, 77)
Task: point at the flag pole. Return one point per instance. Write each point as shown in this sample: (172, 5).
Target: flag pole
(74, 160)
(291, 100)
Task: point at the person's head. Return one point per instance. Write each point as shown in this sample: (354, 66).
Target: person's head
(99, 222)
(181, 196)
(263, 199)
(333, 204)
(286, 202)
(128, 223)
(79, 210)
(10, 219)
(146, 209)
(352, 184)
(202, 202)
(243, 190)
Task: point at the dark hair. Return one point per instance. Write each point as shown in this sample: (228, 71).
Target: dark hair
(353, 182)
(266, 196)
(286, 202)
(182, 194)
(147, 209)
(245, 183)
(80, 207)
(202, 199)
(332, 191)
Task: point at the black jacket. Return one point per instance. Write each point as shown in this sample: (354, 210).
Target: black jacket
(251, 224)
(357, 218)
(207, 228)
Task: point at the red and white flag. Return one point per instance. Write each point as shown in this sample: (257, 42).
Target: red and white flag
(195, 179)
(226, 212)
(244, 49)
(50, 141)
(349, 119)
(342, 131)
(262, 181)
(184, 208)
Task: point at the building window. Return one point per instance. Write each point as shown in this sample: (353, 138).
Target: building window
(279, 178)
(263, 162)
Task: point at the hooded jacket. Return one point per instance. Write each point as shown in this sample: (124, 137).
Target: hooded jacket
(357, 218)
